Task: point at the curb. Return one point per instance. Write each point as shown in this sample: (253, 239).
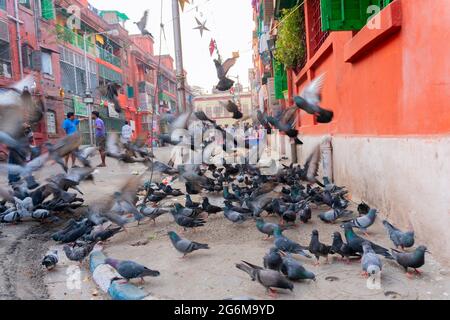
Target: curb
(103, 275)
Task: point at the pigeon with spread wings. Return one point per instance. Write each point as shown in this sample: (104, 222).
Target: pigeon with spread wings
(222, 71)
(310, 98)
(142, 24)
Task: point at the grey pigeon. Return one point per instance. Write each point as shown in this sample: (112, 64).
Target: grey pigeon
(339, 247)
(50, 260)
(266, 227)
(399, 238)
(414, 260)
(272, 260)
(152, 213)
(235, 216)
(333, 215)
(142, 24)
(294, 271)
(269, 279)
(287, 245)
(365, 221)
(370, 262)
(131, 270)
(355, 242)
(185, 246)
(78, 253)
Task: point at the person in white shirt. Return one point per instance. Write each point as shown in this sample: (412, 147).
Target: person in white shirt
(127, 132)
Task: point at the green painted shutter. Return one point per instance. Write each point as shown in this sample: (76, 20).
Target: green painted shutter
(130, 92)
(280, 79)
(340, 15)
(48, 10)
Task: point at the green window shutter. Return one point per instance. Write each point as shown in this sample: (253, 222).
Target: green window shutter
(280, 79)
(341, 15)
(130, 92)
(48, 10)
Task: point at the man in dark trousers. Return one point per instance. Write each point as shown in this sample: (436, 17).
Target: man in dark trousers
(100, 135)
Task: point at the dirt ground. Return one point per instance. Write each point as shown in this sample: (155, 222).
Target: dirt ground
(205, 274)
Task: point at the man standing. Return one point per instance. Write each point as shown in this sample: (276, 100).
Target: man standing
(70, 126)
(100, 135)
(127, 133)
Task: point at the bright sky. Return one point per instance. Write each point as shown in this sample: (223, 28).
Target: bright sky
(230, 22)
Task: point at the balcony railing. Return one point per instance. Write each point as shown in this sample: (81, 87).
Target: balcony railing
(66, 35)
(108, 57)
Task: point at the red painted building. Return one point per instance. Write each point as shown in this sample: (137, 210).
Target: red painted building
(388, 84)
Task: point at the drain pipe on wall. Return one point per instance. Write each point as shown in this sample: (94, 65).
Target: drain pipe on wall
(18, 36)
(327, 158)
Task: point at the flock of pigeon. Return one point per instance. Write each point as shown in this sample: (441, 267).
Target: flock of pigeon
(288, 192)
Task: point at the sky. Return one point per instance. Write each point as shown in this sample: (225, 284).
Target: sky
(230, 22)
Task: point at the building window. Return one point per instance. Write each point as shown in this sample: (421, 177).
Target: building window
(27, 50)
(317, 36)
(51, 122)
(46, 59)
(25, 3)
(47, 9)
(3, 5)
(5, 59)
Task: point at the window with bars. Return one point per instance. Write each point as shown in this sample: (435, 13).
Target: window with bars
(25, 3)
(47, 9)
(316, 35)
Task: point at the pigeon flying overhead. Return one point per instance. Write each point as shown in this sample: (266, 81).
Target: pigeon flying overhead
(142, 24)
(225, 83)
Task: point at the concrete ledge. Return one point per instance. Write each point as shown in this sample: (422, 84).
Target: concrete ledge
(104, 274)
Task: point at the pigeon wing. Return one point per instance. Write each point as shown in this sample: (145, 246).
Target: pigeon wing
(311, 93)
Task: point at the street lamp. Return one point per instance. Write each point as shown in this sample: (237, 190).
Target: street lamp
(88, 99)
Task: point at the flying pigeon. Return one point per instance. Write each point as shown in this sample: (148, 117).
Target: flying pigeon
(225, 83)
(142, 24)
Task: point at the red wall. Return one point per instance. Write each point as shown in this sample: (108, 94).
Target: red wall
(391, 81)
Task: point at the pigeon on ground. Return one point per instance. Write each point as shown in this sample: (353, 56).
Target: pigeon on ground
(294, 271)
(310, 98)
(334, 214)
(50, 260)
(187, 222)
(399, 238)
(103, 235)
(266, 227)
(269, 279)
(304, 214)
(317, 248)
(209, 208)
(370, 262)
(414, 260)
(365, 221)
(152, 213)
(287, 245)
(355, 242)
(234, 216)
(339, 247)
(131, 270)
(78, 253)
(272, 260)
(185, 246)
(363, 209)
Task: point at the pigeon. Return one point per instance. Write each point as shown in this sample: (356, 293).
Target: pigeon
(103, 235)
(365, 221)
(317, 248)
(142, 24)
(269, 279)
(399, 238)
(111, 92)
(185, 246)
(131, 270)
(74, 234)
(272, 260)
(310, 98)
(355, 242)
(225, 83)
(370, 262)
(294, 271)
(414, 260)
(78, 253)
(266, 227)
(363, 209)
(185, 221)
(334, 214)
(287, 245)
(209, 208)
(233, 108)
(339, 247)
(234, 216)
(191, 204)
(152, 213)
(304, 213)
(50, 260)
(286, 122)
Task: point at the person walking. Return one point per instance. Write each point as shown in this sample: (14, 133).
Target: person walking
(70, 126)
(127, 133)
(100, 135)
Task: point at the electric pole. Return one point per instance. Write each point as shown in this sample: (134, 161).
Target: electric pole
(181, 89)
